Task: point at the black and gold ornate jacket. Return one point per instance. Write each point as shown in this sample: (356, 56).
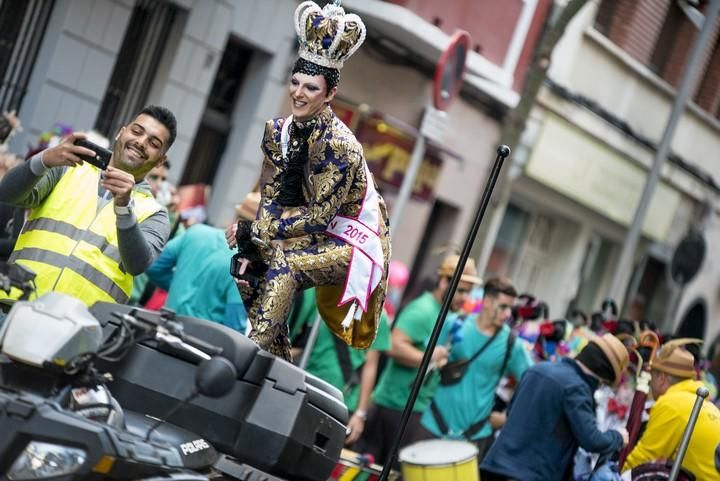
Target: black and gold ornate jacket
(333, 182)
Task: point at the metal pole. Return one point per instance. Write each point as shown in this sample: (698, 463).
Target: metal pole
(310, 344)
(502, 152)
(408, 182)
(702, 393)
(690, 74)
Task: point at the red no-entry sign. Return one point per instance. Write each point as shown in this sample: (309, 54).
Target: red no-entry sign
(451, 70)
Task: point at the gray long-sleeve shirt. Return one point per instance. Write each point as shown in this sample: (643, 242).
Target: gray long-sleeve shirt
(28, 184)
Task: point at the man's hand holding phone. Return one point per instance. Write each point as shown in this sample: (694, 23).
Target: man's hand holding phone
(101, 156)
(66, 153)
(120, 185)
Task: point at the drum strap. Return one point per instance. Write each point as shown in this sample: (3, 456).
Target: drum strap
(477, 426)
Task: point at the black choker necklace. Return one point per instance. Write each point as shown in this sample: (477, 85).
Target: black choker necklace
(305, 124)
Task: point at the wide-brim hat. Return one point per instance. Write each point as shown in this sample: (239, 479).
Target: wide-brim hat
(679, 363)
(469, 274)
(615, 352)
(674, 360)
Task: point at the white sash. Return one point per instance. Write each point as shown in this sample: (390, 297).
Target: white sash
(367, 260)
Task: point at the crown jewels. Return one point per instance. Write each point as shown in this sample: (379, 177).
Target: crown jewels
(327, 36)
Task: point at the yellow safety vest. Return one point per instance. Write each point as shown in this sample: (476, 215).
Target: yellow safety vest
(73, 247)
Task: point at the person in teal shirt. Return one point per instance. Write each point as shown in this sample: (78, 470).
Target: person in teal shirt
(409, 339)
(194, 268)
(325, 363)
(166, 195)
(463, 410)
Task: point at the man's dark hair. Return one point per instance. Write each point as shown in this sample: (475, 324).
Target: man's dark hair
(499, 285)
(165, 117)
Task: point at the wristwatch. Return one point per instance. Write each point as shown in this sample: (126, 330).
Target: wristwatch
(123, 209)
(361, 414)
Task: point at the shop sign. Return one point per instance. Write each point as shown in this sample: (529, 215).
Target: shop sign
(346, 112)
(388, 148)
(387, 152)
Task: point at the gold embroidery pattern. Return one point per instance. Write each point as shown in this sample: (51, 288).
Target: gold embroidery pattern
(321, 261)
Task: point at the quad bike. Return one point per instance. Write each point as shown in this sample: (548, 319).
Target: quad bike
(118, 392)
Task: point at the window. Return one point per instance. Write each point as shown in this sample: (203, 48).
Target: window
(606, 13)
(136, 65)
(216, 123)
(541, 232)
(22, 26)
(509, 242)
(708, 96)
(664, 47)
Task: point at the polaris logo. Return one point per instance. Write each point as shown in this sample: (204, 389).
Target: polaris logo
(194, 446)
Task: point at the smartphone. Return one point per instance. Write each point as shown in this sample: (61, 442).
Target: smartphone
(242, 268)
(238, 265)
(101, 159)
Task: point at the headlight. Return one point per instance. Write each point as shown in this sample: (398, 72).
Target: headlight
(44, 460)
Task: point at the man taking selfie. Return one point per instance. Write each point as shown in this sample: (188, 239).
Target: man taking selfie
(90, 230)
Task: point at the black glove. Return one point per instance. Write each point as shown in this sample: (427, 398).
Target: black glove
(256, 270)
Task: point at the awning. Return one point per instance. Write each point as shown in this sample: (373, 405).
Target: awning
(428, 42)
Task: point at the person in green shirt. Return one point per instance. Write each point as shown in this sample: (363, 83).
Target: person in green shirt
(409, 339)
(353, 371)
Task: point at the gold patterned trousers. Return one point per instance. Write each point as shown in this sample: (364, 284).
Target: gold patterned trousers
(290, 270)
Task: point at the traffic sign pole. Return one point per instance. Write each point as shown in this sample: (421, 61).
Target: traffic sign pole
(408, 182)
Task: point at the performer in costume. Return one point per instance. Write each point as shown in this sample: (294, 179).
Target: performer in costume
(321, 222)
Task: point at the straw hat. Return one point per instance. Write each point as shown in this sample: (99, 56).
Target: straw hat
(247, 209)
(447, 268)
(675, 361)
(615, 351)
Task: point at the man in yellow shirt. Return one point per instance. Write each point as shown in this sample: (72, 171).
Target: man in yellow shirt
(674, 387)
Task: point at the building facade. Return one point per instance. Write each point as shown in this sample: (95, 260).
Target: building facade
(590, 143)
(222, 66)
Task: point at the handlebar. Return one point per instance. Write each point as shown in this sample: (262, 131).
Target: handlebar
(17, 276)
(170, 333)
(176, 342)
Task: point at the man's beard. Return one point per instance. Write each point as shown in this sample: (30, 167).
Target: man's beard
(121, 161)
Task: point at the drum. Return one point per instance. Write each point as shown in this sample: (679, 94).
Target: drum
(350, 468)
(440, 460)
